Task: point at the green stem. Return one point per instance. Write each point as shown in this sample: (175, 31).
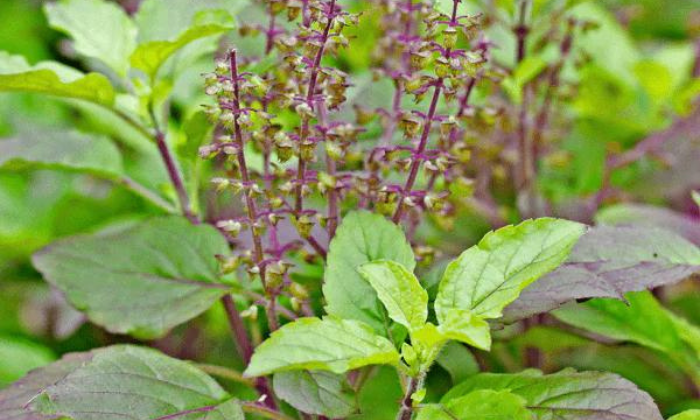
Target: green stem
(226, 373)
(146, 194)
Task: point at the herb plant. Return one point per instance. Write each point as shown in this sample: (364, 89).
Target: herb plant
(397, 209)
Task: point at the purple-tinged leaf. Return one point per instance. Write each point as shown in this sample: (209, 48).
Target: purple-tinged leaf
(646, 215)
(609, 262)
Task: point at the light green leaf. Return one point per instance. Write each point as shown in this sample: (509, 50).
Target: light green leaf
(491, 274)
(149, 57)
(136, 281)
(17, 357)
(641, 320)
(479, 405)
(120, 382)
(100, 29)
(91, 87)
(687, 415)
(316, 392)
(567, 395)
(361, 238)
(462, 325)
(64, 150)
(524, 73)
(687, 332)
(333, 344)
(399, 290)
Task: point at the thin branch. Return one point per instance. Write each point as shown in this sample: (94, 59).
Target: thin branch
(225, 373)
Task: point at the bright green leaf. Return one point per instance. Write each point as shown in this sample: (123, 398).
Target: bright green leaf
(399, 290)
(361, 238)
(316, 392)
(100, 29)
(135, 281)
(149, 57)
(333, 344)
(92, 87)
(491, 274)
(479, 405)
(17, 357)
(568, 395)
(464, 326)
(687, 415)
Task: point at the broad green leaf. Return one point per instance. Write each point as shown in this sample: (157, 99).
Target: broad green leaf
(609, 262)
(464, 326)
(100, 29)
(120, 382)
(687, 415)
(18, 356)
(362, 237)
(478, 405)
(687, 332)
(149, 57)
(316, 392)
(91, 87)
(332, 344)
(399, 290)
(64, 150)
(136, 281)
(568, 395)
(15, 398)
(458, 361)
(491, 274)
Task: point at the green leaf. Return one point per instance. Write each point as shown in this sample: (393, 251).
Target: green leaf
(458, 361)
(91, 87)
(361, 238)
(316, 392)
(64, 150)
(399, 290)
(464, 326)
(491, 274)
(479, 405)
(332, 344)
(136, 281)
(122, 381)
(650, 216)
(17, 357)
(149, 57)
(100, 30)
(568, 395)
(687, 415)
(609, 262)
(687, 332)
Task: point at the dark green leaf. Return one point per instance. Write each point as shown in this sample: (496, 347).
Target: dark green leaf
(143, 280)
(316, 392)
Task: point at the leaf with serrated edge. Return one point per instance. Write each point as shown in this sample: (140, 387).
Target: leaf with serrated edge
(135, 281)
(99, 29)
(478, 405)
(399, 290)
(491, 274)
(568, 395)
(361, 238)
(609, 262)
(332, 344)
(316, 392)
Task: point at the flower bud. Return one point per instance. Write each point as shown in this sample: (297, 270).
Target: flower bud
(231, 226)
(449, 36)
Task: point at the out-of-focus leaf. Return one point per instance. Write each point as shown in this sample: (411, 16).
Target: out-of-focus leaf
(568, 395)
(608, 262)
(17, 357)
(687, 415)
(149, 57)
(316, 392)
(491, 274)
(399, 290)
(63, 150)
(648, 215)
(91, 87)
(100, 29)
(332, 344)
(459, 362)
(361, 238)
(146, 285)
(478, 405)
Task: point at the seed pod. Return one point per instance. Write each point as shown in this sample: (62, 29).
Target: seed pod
(304, 224)
(449, 36)
(410, 125)
(307, 150)
(228, 264)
